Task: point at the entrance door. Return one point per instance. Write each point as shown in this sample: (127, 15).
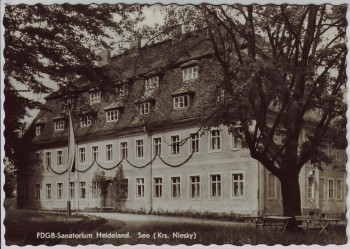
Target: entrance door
(110, 195)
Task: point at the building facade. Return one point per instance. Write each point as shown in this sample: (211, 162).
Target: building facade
(146, 119)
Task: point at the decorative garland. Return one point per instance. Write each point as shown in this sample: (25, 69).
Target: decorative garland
(120, 162)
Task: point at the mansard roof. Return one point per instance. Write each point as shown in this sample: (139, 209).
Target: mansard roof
(162, 59)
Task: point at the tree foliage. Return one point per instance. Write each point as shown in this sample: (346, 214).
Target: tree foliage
(283, 71)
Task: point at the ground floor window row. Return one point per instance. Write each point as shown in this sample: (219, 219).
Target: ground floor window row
(195, 189)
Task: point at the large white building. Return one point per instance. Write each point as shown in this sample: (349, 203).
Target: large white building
(147, 117)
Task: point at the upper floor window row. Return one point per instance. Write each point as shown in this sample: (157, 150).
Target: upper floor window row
(95, 97)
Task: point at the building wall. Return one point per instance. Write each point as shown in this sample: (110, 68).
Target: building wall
(223, 162)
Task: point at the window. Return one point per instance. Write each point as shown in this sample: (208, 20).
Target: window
(82, 190)
(194, 142)
(94, 153)
(82, 155)
(215, 140)
(72, 190)
(220, 95)
(38, 159)
(95, 190)
(59, 125)
(330, 189)
(59, 157)
(190, 73)
(140, 187)
(109, 152)
(237, 137)
(158, 187)
(95, 97)
(48, 159)
(322, 188)
(59, 191)
(112, 115)
(48, 191)
(151, 83)
(310, 187)
(157, 143)
(125, 187)
(237, 185)
(86, 120)
(181, 102)
(271, 186)
(175, 145)
(37, 192)
(215, 185)
(194, 187)
(338, 155)
(175, 187)
(124, 149)
(122, 90)
(339, 193)
(143, 108)
(37, 130)
(139, 148)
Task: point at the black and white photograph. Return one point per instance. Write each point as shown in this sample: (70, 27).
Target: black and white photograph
(168, 124)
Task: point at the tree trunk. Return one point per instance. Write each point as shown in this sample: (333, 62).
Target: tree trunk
(291, 198)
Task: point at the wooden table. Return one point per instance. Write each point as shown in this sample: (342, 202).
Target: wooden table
(276, 221)
(318, 223)
(256, 220)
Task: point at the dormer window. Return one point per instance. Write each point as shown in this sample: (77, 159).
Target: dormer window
(37, 130)
(187, 27)
(95, 97)
(112, 115)
(86, 120)
(59, 125)
(143, 108)
(190, 73)
(181, 102)
(221, 94)
(151, 83)
(121, 90)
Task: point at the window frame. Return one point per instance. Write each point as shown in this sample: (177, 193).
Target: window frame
(72, 193)
(141, 147)
(59, 125)
(157, 146)
(86, 120)
(211, 196)
(37, 192)
(341, 189)
(95, 97)
(191, 184)
(175, 144)
(82, 155)
(59, 195)
(112, 115)
(151, 83)
(82, 190)
(238, 172)
(181, 102)
(48, 191)
(93, 153)
(197, 142)
(324, 188)
(109, 153)
(218, 138)
(190, 73)
(122, 149)
(59, 158)
(140, 195)
(37, 130)
(311, 188)
(178, 190)
(328, 192)
(144, 108)
(159, 186)
(48, 159)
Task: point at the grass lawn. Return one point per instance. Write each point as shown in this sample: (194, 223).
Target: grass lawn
(22, 227)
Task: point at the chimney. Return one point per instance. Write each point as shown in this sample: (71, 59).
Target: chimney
(105, 57)
(135, 43)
